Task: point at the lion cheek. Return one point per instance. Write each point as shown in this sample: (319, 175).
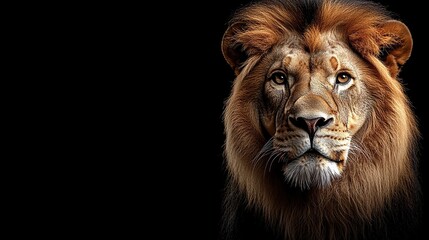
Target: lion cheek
(269, 125)
(355, 121)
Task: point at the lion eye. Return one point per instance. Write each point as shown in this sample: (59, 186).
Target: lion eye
(343, 78)
(278, 78)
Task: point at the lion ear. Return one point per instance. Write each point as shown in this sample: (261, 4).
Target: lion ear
(396, 45)
(390, 41)
(244, 40)
(233, 50)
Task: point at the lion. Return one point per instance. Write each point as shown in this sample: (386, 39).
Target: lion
(321, 141)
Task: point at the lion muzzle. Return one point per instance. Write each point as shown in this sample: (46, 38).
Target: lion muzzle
(315, 152)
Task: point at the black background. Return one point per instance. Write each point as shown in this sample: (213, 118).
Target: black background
(138, 149)
(194, 71)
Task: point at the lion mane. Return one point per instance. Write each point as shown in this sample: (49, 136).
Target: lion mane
(321, 141)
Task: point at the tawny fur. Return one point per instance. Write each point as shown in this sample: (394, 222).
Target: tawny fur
(377, 196)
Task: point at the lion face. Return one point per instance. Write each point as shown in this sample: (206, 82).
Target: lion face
(300, 98)
(312, 106)
(320, 135)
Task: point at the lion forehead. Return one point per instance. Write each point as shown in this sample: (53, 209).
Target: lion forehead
(304, 52)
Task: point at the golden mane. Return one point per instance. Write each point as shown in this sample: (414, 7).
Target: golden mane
(379, 191)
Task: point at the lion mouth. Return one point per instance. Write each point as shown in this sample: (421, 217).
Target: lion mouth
(314, 155)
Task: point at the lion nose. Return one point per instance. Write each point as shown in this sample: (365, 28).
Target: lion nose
(310, 125)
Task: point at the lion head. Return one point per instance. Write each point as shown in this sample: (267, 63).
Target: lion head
(320, 135)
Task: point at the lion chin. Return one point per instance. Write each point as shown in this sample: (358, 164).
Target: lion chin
(310, 170)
